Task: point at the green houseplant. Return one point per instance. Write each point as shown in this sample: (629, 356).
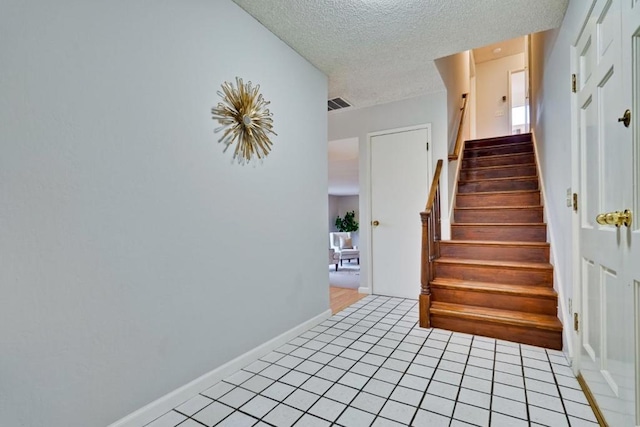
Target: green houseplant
(348, 223)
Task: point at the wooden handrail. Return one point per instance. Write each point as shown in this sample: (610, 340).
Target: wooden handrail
(456, 149)
(430, 246)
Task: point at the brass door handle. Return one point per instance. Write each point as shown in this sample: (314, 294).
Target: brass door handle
(625, 119)
(616, 218)
(375, 223)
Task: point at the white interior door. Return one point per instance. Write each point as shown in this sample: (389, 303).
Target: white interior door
(606, 356)
(400, 174)
(631, 62)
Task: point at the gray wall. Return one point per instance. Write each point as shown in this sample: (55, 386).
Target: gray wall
(551, 119)
(431, 108)
(455, 71)
(134, 257)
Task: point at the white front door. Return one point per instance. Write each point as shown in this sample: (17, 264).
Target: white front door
(400, 175)
(606, 295)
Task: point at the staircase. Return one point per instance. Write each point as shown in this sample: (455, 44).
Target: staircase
(494, 278)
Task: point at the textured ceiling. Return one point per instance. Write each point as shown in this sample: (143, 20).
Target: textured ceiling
(377, 51)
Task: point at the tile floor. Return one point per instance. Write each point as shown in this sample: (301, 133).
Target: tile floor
(371, 365)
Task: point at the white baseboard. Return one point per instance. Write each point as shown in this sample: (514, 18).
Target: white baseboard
(169, 401)
(364, 290)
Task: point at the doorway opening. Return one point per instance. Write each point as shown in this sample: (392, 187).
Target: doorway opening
(344, 200)
(519, 106)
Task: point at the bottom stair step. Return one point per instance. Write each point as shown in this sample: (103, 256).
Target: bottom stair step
(521, 298)
(527, 328)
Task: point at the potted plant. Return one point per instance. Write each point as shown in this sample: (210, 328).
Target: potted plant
(348, 223)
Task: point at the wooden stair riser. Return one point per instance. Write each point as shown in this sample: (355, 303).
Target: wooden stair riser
(498, 172)
(524, 303)
(525, 147)
(515, 198)
(491, 252)
(501, 232)
(494, 277)
(512, 184)
(531, 336)
(489, 142)
(490, 273)
(499, 215)
(514, 159)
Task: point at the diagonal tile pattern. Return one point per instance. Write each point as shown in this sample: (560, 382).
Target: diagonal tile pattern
(371, 365)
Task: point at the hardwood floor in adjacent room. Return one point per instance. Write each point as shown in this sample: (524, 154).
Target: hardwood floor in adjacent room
(341, 298)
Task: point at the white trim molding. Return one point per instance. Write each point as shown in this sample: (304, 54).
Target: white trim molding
(173, 399)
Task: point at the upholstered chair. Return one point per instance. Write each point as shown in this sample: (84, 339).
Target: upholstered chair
(342, 244)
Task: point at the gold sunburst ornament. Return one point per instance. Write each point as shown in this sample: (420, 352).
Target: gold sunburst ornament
(245, 119)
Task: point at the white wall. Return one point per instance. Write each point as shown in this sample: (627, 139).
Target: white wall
(551, 108)
(358, 123)
(334, 211)
(455, 71)
(134, 257)
(492, 83)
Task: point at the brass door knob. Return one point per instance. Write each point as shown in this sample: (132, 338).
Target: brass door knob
(375, 223)
(616, 218)
(625, 119)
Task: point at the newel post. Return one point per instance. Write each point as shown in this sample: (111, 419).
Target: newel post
(424, 303)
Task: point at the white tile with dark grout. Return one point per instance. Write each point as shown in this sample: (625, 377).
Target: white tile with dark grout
(371, 365)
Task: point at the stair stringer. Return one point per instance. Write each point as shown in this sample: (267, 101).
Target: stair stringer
(558, 284)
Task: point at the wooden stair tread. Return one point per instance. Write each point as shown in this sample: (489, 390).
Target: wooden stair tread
(499, 146)
(499, 155)
(496, 243)
(496, 288)
(516, 318)
(526, 136)
(481, 168)
(499, 264)
(500, 179)
(498, 207)
(488, 193)
(497, 224)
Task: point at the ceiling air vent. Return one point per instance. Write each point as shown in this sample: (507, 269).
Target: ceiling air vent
(337, 103)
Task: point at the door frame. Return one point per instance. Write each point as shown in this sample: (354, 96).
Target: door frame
(369, 253)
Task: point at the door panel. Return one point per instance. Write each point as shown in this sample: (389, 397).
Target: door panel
(590, 156)
(591, 311)
(399, 183)
(607, 337)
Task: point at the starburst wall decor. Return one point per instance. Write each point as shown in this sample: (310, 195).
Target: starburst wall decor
(246, 121)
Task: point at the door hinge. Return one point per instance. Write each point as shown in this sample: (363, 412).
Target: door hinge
(574, 84)
(576, 322)
(575, 202)
(427, 146)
